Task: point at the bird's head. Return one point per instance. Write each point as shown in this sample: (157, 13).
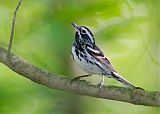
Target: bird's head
(83, 34)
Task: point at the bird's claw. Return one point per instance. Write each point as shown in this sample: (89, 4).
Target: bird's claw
(78, 78)
(100, 84)
(75, 79)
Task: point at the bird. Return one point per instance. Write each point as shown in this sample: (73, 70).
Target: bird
(91, 59)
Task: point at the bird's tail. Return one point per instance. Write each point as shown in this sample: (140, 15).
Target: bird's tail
(122, 80)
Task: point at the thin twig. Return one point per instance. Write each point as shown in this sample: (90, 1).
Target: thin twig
(13, 26)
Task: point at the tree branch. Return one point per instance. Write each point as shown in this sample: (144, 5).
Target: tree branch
(134, 96)
(13, 26)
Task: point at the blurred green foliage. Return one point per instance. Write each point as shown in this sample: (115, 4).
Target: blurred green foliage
(126, 30)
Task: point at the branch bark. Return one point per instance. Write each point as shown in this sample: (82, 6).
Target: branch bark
(134, 96)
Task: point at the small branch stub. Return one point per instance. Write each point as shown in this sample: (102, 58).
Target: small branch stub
(13, 27)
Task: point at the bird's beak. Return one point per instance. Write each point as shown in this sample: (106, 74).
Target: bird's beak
(75, 26)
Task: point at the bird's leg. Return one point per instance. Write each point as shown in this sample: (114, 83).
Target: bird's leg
(101, 82)
(77, 78)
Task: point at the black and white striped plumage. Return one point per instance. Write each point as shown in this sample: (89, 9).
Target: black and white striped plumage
(90, 58)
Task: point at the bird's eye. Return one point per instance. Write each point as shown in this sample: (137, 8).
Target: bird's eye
(83, 32)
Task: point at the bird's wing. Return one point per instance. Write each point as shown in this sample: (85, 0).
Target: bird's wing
(98, 54)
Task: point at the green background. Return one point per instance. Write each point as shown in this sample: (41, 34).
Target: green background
(126, 30)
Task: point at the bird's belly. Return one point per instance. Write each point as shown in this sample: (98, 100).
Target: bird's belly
(88, 66)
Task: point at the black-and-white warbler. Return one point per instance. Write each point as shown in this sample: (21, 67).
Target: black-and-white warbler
(91, 59)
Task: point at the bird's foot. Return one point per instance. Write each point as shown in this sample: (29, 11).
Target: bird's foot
(78, 78)
(75, 79)
(100, 84)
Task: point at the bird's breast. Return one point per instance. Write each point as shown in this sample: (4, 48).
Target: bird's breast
(86, 62)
